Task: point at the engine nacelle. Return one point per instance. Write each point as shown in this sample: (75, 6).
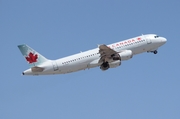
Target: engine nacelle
(106, 65)
(126, 54)
(115, 64)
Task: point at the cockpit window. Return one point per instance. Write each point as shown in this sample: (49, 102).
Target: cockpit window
(156, 36)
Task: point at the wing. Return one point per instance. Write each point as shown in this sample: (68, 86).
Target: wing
(107, 53)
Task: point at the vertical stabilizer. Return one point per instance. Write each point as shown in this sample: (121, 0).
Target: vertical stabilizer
(32, 57)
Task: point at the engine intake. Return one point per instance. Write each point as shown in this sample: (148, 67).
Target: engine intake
(104, 66)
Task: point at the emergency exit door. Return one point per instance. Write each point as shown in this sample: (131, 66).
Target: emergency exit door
(55, 66)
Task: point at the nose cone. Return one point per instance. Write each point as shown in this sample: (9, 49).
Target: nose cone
(163, 40)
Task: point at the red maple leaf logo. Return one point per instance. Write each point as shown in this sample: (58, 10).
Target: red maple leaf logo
(139, 38)
(31, 58)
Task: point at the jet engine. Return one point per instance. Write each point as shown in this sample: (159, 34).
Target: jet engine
(115, 64)
(126, 54)
(104, 66)
(116, 60)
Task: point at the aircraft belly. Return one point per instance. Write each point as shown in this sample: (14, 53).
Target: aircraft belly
(137, 50)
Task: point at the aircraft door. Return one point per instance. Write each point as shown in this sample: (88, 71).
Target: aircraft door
(148, 41)
(55, 67)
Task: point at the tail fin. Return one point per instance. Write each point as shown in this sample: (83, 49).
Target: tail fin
(31, 56)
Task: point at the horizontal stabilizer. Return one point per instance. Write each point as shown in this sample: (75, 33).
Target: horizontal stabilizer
(37, 69)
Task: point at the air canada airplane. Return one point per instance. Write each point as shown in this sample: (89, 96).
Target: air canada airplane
(105, 56)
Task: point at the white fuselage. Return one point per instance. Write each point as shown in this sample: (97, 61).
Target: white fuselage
(90, 58)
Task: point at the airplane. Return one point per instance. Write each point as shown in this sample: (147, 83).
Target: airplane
(105, 56)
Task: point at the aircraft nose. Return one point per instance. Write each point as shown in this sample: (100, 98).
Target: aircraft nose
(163, 40)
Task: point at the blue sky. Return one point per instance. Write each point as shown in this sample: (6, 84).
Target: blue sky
(145, 87)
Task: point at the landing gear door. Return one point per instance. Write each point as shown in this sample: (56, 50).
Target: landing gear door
(55, 67)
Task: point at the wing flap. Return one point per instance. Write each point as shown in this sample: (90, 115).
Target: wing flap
(106, 53)
(105, 50)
